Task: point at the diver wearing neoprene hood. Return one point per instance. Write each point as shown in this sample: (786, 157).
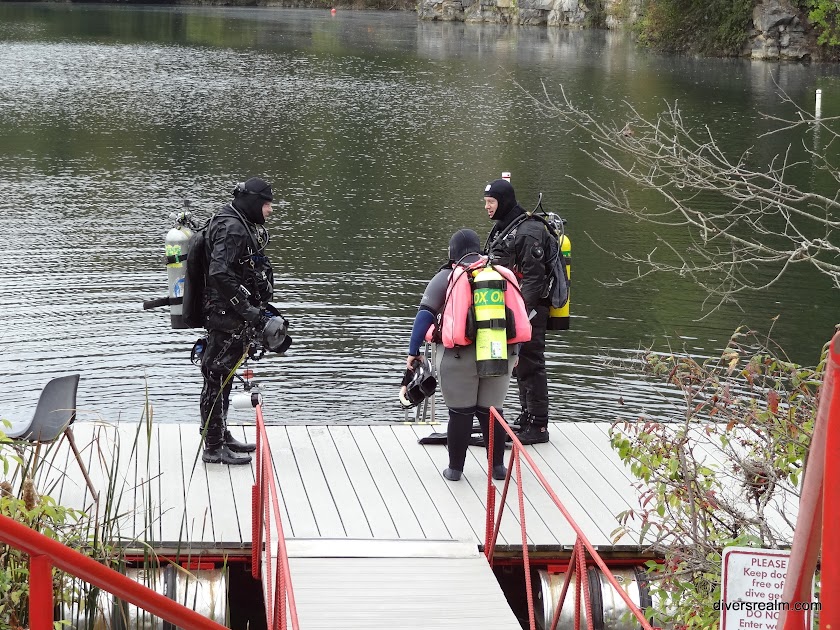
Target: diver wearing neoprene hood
(240, 284)
(524, 245)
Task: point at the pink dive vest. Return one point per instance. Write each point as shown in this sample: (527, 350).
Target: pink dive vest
(459, 301)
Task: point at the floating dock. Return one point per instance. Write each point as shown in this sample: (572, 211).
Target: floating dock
(377, 538)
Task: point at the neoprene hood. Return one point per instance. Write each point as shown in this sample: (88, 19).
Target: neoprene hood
(249, 197)
(502, 191)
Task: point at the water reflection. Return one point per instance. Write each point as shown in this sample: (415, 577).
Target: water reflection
(379, 133)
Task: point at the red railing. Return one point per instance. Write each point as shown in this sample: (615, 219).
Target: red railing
(279, 596)
(46, 553)
(577, 563)
(819, 510)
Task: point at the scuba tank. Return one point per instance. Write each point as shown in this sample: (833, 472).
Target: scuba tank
(177, 248)
(558, 318)
(491, 343)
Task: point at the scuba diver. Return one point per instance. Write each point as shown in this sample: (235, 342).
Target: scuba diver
(468, 385)
(523, 243)
(239, 286)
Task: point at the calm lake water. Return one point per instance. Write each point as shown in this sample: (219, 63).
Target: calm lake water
(378, 132)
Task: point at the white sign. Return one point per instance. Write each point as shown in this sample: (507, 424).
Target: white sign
(752, 581)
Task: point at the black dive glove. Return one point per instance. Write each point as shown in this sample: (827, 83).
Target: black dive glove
(247, 311)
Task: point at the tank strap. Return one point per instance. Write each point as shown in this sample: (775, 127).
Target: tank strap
(501, 285)
(171, 260)
(491, 323)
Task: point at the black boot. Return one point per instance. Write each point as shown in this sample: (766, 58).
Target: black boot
(223, 455)
(483, 414)
(457, 440)
(236, 446)
(533, 433)
(519, 421)
(452, 474)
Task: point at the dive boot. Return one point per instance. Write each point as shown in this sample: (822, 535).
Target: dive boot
(452, 474)
(533, 434)
(499, 472)
(238, 447)
(223, 455)
(519, 422)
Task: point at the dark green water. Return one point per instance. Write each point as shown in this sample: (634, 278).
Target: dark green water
(378, 133)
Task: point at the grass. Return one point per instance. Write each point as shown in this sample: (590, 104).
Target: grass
(34, 473)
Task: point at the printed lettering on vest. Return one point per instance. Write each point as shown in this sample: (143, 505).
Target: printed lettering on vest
(457, 323)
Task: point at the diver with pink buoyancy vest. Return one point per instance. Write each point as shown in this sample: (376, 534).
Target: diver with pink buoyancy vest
(475, 314)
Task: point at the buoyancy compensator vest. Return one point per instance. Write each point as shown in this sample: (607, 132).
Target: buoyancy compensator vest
(195, 278)
(187, 265)
(484, 305)
(198, 263)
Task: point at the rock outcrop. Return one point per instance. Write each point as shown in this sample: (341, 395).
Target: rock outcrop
(574, 13)
(568, 13)
(780, 31)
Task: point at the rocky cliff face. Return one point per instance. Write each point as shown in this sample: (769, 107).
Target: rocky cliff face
(780, 31)
(569, 13)
(575, 13)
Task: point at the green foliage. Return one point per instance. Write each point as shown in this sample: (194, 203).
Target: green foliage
(709, 476)
(41, 513)
(825, 16)
(713, 27)
(620, 10)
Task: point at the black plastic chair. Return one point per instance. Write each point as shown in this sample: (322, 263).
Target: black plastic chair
(53, 416)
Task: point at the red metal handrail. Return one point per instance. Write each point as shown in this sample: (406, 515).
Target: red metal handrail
(819, 505)
(577, 563)
(46, 553)
(265, 499)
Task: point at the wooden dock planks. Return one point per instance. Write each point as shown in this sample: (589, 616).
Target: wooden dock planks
(338, 482)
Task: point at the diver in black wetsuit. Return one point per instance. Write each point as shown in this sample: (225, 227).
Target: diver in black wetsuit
(525, 246)
(240, 283)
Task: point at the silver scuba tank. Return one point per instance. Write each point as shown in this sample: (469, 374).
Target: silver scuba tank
(177, 249)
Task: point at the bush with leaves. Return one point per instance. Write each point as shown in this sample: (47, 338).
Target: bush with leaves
(723, 471)
(825, 16)
(712, 27)
(41, 513)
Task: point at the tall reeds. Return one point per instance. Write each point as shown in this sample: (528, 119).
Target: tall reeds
(122, 522)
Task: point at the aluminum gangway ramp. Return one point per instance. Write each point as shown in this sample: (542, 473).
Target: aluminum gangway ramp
(395, 584)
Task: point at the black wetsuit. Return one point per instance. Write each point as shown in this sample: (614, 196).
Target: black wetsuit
(240, 283)
(526, 249)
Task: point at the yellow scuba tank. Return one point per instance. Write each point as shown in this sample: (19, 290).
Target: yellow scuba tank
(491, 351)
(558, 318)
(177, 240)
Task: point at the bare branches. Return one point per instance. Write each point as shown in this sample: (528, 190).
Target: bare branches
(740, 218)
(722, 468)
